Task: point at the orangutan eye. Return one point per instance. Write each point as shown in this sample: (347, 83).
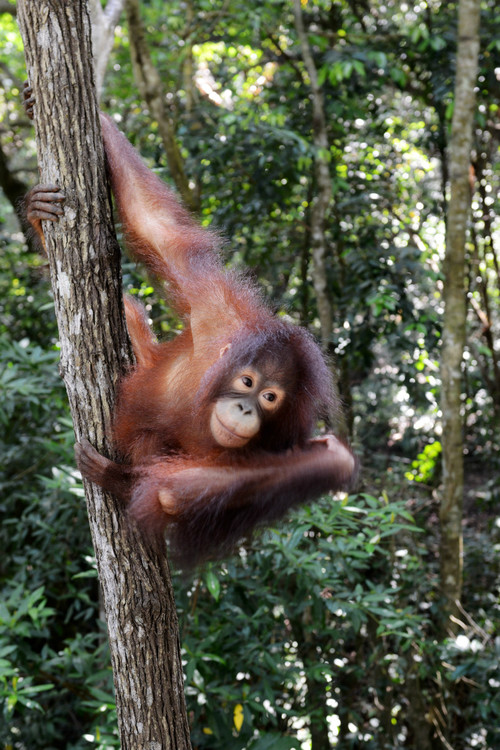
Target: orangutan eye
(271, 401)
(247, 381)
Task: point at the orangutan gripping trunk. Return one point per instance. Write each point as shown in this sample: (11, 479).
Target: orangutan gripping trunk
(215, 426)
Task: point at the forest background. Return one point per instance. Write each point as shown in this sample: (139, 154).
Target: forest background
(328, 631)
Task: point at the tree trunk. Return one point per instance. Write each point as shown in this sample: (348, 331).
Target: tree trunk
(104, 21)
(319, 212)
(455, 309)
(322, 200)
(151, 90)
(85, 275)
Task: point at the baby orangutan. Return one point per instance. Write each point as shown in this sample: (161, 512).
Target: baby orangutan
(215, 426)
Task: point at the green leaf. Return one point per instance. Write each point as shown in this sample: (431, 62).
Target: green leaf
(213, 584)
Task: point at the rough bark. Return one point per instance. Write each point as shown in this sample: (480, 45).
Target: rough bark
(85, 276)
(151, 90)
(455, 308)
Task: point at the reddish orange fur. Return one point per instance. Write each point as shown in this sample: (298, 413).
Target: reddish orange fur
(212, 495)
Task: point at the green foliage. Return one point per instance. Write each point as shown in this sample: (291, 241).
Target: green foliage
(25, 305)
(424, 466)
(289, 613)
(53, 657)
(23, 617)
(329, 624)
(471, 666)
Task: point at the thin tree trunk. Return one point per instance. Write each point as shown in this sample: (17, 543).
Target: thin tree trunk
(151, 89)
(322, 200)
(319, 212)
(85, 275)
(455, 309)
(104, 21)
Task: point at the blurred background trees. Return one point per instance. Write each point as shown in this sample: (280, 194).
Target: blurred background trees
(328, 631)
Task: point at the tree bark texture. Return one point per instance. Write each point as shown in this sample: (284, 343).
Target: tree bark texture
(86, 280)
(451, 552)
